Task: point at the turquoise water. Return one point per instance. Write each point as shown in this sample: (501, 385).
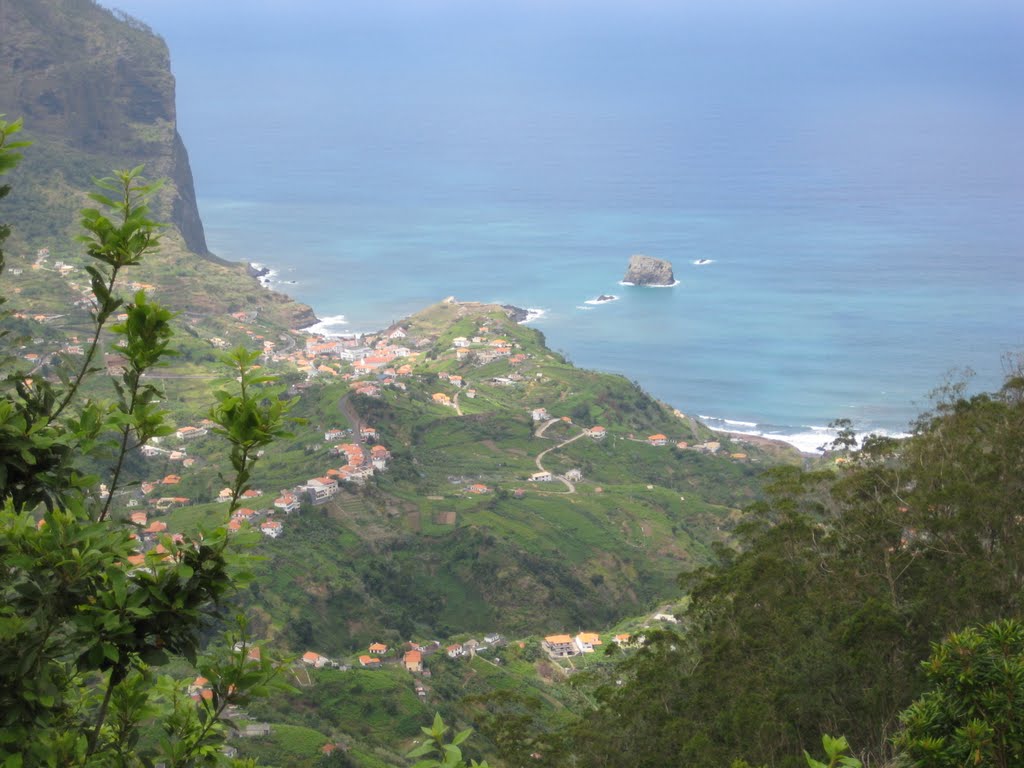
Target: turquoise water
(855, 174)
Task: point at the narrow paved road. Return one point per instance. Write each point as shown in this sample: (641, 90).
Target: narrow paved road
(540, 467)
(351, 417)
(543, 427)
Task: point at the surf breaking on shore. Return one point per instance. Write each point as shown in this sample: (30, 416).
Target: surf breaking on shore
(806, 439)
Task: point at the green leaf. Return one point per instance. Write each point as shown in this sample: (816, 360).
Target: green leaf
(423, 749)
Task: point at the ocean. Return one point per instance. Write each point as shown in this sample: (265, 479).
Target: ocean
(849, 176)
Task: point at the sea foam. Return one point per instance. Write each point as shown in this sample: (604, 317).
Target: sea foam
(623, 282)
(329, 326)
(806, 439)
(532, 314)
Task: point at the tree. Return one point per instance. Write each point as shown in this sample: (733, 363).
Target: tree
(841, 580)
(971, 713)
(83, 627)
(448, 754)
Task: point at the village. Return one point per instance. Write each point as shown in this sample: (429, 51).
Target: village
(369, 364)
(372, 362)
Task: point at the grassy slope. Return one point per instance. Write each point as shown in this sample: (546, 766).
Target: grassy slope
(390, 562)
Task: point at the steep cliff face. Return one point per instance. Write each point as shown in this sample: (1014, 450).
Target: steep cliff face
(95, 90)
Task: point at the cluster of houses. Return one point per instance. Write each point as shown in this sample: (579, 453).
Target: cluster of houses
(410, 657)
(360, 464)
(386, 356)
(564, 646)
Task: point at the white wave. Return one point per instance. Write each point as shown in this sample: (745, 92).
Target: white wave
(267, 277)
(328, 326)
(735, 423)
(623, 282)
(602, 301)
(703, 262)
(806, 438)
(584, 308)
(532, 314)
(720, 420)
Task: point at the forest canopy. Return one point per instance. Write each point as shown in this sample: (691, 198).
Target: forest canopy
(820, 621)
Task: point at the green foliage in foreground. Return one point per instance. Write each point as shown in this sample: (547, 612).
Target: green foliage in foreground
(444, 754)
(835, 751)
(819, 623)
(972, 712)
(82, 625)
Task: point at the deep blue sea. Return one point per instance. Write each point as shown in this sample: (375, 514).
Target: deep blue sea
(852, 171)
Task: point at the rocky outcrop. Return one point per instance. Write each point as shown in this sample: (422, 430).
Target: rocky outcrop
(647, 270)
(96, 92)
(516, 314)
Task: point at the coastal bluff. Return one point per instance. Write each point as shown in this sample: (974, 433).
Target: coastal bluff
(647, 270)
(95, 89)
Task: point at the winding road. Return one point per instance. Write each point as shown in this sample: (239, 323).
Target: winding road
(540, 467)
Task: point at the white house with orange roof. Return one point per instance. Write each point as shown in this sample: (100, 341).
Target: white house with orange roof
(271, 528)
(586, 641)
(413, 661)
(358, 474)
(190, 433)
(354, 353)
(658, 439)
(321, 489)
(597, 432)
(287, 503)
(378, 649)
(362, 368)
(560, 646)
(315, 660)
(369, 661)
(626, 640)
(455, 651)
